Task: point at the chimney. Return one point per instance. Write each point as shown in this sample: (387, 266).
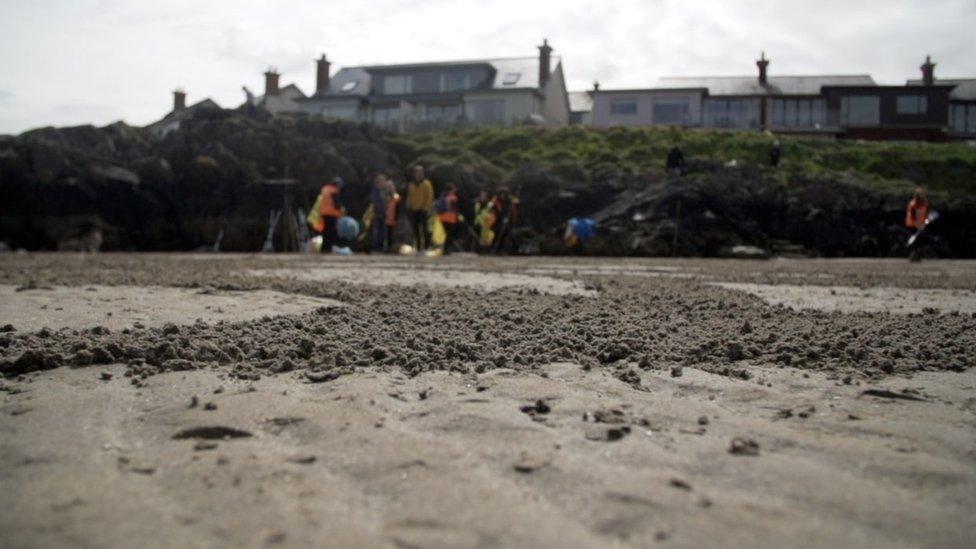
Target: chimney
(322, 75)
(179, 100)
(544, 54)
(928, 71)
(596, 86)
(271, 82)
(762, 63)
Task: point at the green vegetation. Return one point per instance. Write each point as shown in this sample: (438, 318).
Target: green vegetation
(586, 152)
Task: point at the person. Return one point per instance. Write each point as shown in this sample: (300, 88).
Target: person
(483, 221)
(579, 230)
(774, 154)
(676, 161)
(378, 198)
(916, 217)
(449, 214)
(504, 209)
(392, 209)
(420, 202)
(331, 209)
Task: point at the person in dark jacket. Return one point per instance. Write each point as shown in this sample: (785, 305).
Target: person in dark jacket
(676, 161)
(774, 153)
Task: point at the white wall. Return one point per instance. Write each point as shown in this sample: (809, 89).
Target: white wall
(603, 118)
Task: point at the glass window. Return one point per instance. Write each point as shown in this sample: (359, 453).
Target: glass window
(386, 117)
(344, 112)
(623, 106)
(957, 118)
(671, 111)
(447, 113)
(425, 83)
(803, 113)
(511, 78)
(971, 119)
(349, 86)
(393, 85)
(777, 116)
(818, 117)
(488, 111)
(912, 104)
(455, 81)
(860, 110)
(790, 113)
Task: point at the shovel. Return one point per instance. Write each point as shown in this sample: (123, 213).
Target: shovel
(928, 221)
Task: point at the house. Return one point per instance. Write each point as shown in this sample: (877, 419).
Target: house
(962, 100)
(581, 106)
(418, 96)
(828, 105)
(276, 100)
(180, 112)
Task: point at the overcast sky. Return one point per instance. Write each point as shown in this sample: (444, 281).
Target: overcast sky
(65, 62)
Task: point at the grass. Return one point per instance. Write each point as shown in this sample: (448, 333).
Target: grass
(948, 168)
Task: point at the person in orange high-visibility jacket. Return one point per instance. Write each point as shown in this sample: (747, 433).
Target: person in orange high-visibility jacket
(392, 205)
(449, 214)
(918, 210)
(330, 210)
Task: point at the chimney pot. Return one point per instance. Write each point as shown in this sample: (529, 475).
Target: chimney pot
(762, 63)
(271, 82)
(928, 71)
(596, 86)
(322, 66)
(179, 100)
(545, 55)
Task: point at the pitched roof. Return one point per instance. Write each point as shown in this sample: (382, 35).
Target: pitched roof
(964, 90)
(357, 81)
(580, 101)
(776, 85)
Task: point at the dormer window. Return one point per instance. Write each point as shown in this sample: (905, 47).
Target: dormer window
(511, 78)
(349, 86)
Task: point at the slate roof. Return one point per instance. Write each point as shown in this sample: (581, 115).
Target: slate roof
(776, 85)
(965, 89)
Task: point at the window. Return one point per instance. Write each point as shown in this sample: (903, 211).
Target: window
(962, 118)
(349, 112)
(623, 106)
(511, 78)
(488, 111)
(445, 113)
(386, 117)
(860, 110)
(797, 113)
(732, 113)
(673, 111)
(425, 83)
(393, 85)
(455, 81)
(912, 104)
(348, 86)
(971, 119)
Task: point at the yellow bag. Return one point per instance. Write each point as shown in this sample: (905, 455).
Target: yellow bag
(314, 218)
(436, 229)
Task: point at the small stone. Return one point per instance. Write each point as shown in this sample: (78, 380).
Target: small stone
(744, 447)
(210, 406)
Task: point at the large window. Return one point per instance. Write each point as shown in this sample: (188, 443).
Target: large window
(912, 104)
(623, 106)
(962, 118)
(396, 84)
(732, 113)
(488, 111)
(443, 113)
(797, 113)
(425, 83)
(455, 81)
(673, 111)
(388, 117)
(860, 110)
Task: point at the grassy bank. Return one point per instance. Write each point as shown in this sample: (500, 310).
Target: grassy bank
(585, 152)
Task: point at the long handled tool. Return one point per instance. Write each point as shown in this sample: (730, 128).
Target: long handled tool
(928, 221)
(273, 218)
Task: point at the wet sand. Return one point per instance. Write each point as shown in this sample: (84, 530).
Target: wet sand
(656, 409)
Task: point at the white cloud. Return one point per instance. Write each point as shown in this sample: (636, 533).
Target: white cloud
(78, 61)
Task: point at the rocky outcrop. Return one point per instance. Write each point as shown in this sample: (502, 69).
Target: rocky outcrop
(125, 188)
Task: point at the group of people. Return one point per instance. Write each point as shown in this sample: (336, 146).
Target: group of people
(434, 221)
